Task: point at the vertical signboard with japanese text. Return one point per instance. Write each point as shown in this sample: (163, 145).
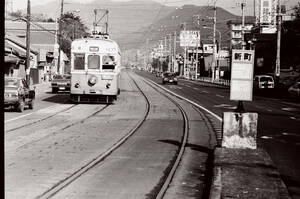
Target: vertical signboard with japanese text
(267, 12)
(242, 75)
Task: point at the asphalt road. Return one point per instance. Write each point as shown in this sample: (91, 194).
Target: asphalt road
(47, 146)
(278, 123)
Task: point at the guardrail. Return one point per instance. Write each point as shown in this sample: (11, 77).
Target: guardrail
(222, 82)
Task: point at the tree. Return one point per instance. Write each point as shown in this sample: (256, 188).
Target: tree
(72, 28)
(17, 14)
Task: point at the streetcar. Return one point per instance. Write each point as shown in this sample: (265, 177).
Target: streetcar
(95, 69)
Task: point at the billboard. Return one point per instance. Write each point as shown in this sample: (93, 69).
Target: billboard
(267, 12)
(189, 38)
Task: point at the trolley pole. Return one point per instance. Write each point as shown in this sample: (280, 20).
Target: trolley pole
(28, 43)
(59, 36)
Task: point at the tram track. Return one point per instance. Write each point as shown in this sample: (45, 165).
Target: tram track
(213, 130)
(75, 175)
(96, 160)
(40, 120)
(170, 170)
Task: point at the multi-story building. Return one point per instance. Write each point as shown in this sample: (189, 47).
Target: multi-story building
(235, 27)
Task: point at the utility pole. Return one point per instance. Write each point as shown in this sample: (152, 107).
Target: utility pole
(170, 52)
(243, 5)
(59, 36)
(214, 44)
(174, 58)
(28, 42)
(198, 42)
(277, 68)
(184, 64)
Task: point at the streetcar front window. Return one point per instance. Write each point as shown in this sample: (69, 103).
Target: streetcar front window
(108, 62)
(93, 62)
(78, 61)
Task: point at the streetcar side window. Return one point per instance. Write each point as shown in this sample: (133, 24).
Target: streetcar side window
(93, 62)
(108, 62)
(78, 61)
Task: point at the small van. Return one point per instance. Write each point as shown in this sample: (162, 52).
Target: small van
(263, 82)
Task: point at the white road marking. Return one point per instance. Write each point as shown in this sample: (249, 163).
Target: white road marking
(289, 109)
(293, 118)
(269, 110)
(221, 105)
(204, 91)
(266, 137)
(21, 116)
(292, 134)
(227, 106)
(220, 95)
(197, 89)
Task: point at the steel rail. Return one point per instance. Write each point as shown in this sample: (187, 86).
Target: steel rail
(170, 175)
(68, 180)
(209, 120)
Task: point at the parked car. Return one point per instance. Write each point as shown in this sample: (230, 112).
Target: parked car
(17, 94)
(61, 83)
(294, 90)
(263, 82)
(168, 77)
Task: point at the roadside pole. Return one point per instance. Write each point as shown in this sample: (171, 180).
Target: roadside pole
(184, 64)
(198, 36)
(59, 36)
(277, 68)
(214, 44)
(174, 55)
(28, 43)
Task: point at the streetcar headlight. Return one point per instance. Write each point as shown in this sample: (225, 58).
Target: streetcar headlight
(92, 80)
(76, 85)
(107, 85)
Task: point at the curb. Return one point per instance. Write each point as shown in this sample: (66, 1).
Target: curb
(234, 167)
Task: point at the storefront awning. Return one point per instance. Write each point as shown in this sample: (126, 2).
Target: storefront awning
(11, 59)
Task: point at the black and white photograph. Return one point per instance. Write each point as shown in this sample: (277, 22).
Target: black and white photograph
(151, 99)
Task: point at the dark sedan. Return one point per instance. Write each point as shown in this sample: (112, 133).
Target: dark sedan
(168, 77)
(61, 83)
(17, 93)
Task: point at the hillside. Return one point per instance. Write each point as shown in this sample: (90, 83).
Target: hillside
(132, 22)
(124, 17)
(173, 21)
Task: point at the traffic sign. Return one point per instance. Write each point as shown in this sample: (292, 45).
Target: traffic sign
(242, 75)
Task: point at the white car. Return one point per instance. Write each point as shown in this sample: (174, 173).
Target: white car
(263, 82)
(294, 90)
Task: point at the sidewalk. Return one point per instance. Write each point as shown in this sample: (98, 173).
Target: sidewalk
(246, 173)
